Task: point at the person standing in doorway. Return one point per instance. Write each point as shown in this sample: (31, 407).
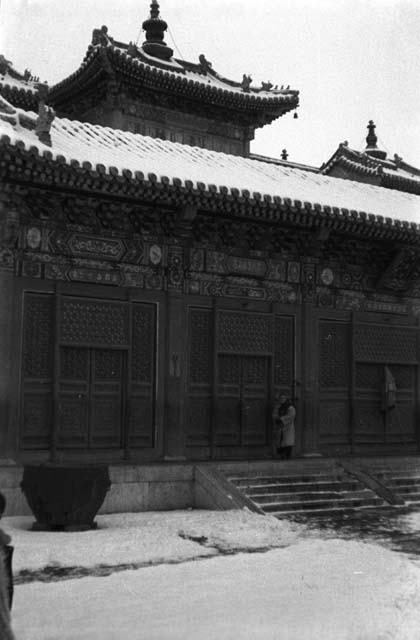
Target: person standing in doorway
(284, 415)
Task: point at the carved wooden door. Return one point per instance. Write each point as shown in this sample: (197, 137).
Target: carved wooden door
(334, 384)
(375, 423)
(90, 398)
(242, 401)
(37, 372)
(377, 349)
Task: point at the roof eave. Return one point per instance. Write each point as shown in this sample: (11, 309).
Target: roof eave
(161, 79)
(24, 166)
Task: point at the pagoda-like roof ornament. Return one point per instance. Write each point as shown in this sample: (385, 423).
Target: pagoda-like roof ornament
(372, 166)
(372, 139)
(155, 28)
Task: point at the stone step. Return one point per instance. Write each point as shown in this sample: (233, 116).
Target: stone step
(415, 475)
(406, 488)
(322, 504)
(241, 481)
(411, 497)
(403, 482)
(335, 485)
(313, 496)
(325, 512)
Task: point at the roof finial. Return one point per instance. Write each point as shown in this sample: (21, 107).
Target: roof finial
(372, 139)
(284, 154)
(155, 28)
(154, 9)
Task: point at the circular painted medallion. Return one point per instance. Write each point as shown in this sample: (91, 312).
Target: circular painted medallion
(327, 276)
(155, 254)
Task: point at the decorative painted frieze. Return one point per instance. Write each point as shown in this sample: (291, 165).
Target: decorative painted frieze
(84, 274)
(94, 246)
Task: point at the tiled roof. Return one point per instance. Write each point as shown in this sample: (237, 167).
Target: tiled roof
(179, 77)
(18, 91)
(394, 173)
(120, 153)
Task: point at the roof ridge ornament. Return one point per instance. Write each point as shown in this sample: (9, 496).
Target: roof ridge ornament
(398, 160)
(266, 86)
(205, 64)
(45, 117)
(155, 28)
(101, 37)
(246, 82)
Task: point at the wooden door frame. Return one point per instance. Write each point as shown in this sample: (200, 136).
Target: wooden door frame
(402, 323)
(213, 305)
(381, 320)
(85, 291)
(242, 357)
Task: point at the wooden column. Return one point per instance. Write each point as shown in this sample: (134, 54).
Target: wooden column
(8, 391)
(309, 399)
(174, 432)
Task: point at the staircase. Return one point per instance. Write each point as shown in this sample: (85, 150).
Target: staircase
(290, 490)
(401, 476)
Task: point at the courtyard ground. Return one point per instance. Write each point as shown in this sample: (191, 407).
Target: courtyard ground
(204, 575)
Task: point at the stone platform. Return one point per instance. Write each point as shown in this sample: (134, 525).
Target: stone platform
(263, 486)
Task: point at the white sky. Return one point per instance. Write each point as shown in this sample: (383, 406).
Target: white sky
(352, 60)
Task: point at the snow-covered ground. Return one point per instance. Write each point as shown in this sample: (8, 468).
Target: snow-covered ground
(257, 577)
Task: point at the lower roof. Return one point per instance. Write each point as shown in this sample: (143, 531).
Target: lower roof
(111, 151)
(393, 173)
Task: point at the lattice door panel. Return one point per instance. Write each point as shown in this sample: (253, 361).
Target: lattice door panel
(244, 333)
(227, 424)
(284, 350)
(93, 323)
(385, 344)
(254, 408)
(200, 377)
(106, 407)
(334, 420)
(373, 423)
(369, 423)
(376, 347)
(90, 398)
(37, 371)
(334, 382)
(142, 399)
(73, 399)
(401, 422)
(242, 401)
(334, 355)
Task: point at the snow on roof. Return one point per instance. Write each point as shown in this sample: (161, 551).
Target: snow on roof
(202, 74)
(6, 80)
(98, 145)
(183, 74)
(367, 163)
(398, 171)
